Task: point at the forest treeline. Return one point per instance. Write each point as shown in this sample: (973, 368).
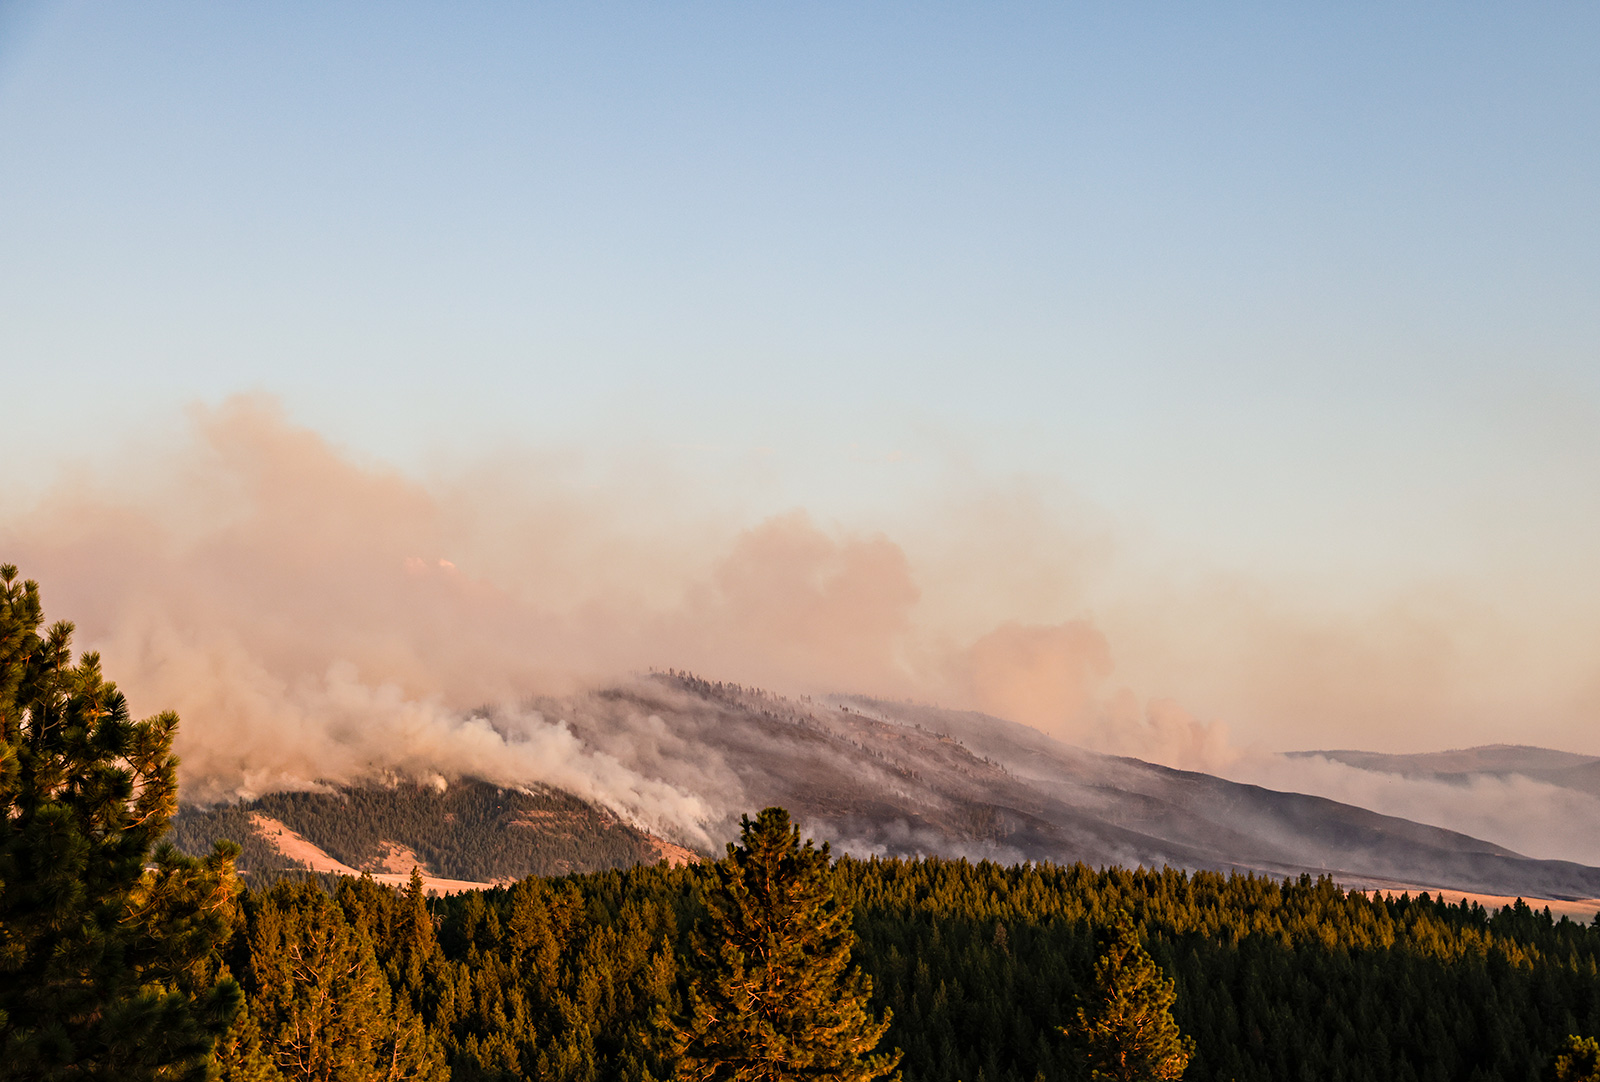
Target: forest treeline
(122, 959)
(468, 830)
(981, 966)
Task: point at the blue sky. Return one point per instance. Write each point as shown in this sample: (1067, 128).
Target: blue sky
(1311, 292)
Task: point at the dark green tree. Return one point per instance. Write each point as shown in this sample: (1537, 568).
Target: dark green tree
(108, 942)
(325, 1008)
(1577, 1060)
(1127, 1029)
(774, 1001)
(239, 1055)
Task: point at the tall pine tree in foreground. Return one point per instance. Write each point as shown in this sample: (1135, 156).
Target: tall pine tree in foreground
(1127, 1029)
(774, 1001)
(108, 962)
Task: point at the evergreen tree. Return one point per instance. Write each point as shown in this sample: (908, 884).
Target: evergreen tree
(414, 939)
(1128, 1031)
(325, 1008)
(774, 1002)
(1578, 1060)
(239, 1055)
(108, 965)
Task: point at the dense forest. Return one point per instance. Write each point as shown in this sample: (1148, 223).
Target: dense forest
(122, 958)
(469, 830)
(981, 966)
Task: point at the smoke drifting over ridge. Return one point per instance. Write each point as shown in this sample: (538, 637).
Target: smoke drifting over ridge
(1528, 815)
(313, 617)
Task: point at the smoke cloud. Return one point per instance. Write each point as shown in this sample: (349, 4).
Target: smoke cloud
(316, 618)
(1526, 815)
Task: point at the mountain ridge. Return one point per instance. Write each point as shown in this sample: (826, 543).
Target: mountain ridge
(885, 778)
(1568, 770)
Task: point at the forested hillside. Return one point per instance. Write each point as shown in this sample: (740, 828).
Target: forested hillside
(467, 830)
(874, 777)
(122, 959)
(980, 964)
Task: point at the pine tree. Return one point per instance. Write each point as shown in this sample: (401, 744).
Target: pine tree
(108, 943)
(1127, 1030)
(326, 1010)
(1577, 1060)
(239, 1055)
(415, 942)
(774, 1002)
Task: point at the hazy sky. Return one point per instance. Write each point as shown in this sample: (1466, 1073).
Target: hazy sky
(1294, 300)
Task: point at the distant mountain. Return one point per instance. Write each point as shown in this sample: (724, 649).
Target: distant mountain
(874, 777)
(1570, 771)
(903, 779)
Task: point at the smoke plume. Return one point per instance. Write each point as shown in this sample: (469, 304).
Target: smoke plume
(316, 618)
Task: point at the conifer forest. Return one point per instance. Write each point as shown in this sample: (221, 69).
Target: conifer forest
(839, 541)
(123, 958)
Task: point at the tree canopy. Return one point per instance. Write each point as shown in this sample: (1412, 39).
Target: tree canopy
(1127, 1028)
(1577, 1060)
(107, 940)
(776, 1000)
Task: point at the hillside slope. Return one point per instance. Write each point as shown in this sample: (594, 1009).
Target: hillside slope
(1580, 773)
(903, 780)
(875, 777)
(469, 830)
